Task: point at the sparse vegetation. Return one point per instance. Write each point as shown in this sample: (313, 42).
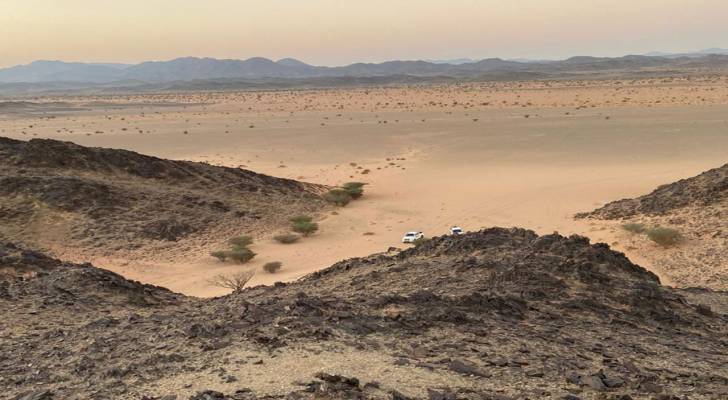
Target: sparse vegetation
(241, 241)
(343, 195)
(354, 189)
(241, 255)
(235, 282)
(664, 237)
(304, 225)
(339, 197)
(634, 227)
(220, 255)
(272, 267)
(287, 238)
(239, 251)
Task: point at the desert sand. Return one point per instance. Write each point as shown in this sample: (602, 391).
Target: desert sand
(473, 155)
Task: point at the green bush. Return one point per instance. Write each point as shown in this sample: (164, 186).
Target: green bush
(301, 219)
(305, 228)
(340, 197)
(288, 238)
(272, 267)
(241, 255)
(220, 255)
(239, 251)
(304, 225)
(241, 242)
(664, 237)
(354, 189)
(634, 227)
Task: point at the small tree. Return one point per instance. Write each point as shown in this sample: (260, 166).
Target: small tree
(340, 197)
(354, 189)
(272, 267)
(235, 282)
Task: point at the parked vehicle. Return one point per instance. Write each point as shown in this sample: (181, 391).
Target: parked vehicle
(410, 237)
(456, 230)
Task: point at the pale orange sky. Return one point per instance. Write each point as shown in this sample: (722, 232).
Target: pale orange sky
(335, 32)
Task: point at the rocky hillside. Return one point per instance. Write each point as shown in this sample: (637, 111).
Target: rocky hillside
(696, 211)
(497, 314)
(102, 200)
(708, 188)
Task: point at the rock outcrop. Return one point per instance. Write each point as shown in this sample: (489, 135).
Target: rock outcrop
(108, 200)
(501, 313)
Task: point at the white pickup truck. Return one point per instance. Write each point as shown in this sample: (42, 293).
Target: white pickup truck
(410, 237)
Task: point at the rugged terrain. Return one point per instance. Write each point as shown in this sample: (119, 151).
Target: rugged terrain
(68, 198)
(697, 208)
(495, 314)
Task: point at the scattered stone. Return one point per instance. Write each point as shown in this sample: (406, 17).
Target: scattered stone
(466, 368)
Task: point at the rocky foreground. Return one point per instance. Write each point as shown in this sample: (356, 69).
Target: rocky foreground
(496, 314)
(108, 201)
(697, 210)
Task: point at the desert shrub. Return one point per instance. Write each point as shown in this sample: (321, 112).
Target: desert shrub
(304, 225)
(420, 241)
(305, 228)
(301, 219)
(340, 197)
(664, 237)
(634, 227)
(241, 255)
(220, 255)
(241, 241)
(354, 189)
(272, 267)
(288, 238)
(235, 282)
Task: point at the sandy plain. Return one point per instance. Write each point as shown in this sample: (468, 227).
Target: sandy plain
(474, 155)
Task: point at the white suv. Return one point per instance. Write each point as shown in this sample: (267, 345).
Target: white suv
(410, 237)
(456, 230)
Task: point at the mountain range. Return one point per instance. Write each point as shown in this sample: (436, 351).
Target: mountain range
(192, 68)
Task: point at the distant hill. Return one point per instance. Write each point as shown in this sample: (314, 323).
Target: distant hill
(191, 68)
(699, 53)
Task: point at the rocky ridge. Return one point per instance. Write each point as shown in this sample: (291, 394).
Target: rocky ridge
(706, 189)
(696, 209)
(496, 314)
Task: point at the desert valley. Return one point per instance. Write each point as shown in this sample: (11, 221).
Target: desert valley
(530, 154)
(238, 229)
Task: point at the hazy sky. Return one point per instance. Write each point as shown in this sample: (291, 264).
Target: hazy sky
(335, 32)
